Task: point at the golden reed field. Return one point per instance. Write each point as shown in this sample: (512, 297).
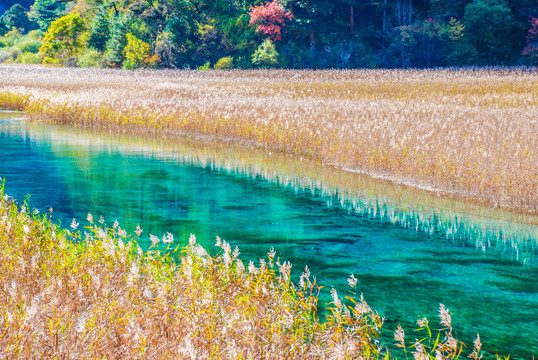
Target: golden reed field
(104, 298)
(469, 133)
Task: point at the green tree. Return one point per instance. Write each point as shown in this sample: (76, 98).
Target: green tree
(44, 12)
(117, 40)
(137, 53)
(266, 55)
(99, 30)
(16, 17)
(63, 39)
(489, 29)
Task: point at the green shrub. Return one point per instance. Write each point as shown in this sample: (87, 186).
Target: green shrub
(9, 39)
(224, 63)
(265, 56)
(206, 66)
(30, 58)
(91, 58)
(9, 55)
(28, 45)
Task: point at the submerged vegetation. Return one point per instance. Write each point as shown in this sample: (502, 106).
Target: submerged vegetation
(471, 133)
(104, 298)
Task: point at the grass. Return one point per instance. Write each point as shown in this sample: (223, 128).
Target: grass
(470, 133)
(94, 294)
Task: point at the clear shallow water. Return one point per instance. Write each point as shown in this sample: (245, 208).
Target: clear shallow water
(410, 251)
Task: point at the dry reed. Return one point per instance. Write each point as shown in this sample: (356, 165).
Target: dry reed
(103, 297)
(473, 133)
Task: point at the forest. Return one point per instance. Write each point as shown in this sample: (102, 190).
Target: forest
(295, 34)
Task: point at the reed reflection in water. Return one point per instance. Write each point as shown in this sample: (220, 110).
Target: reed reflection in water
(409, 250)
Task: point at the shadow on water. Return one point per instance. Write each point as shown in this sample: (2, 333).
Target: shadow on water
(408, 249)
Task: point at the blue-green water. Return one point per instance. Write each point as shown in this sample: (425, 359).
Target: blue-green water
(409, 251)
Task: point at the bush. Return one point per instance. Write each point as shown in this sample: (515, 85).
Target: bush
(206, 66)
(28, 45)
(224, 63)
(10, 39)
(91, 58)
(30, 58)
(265, 56)
(9, 55)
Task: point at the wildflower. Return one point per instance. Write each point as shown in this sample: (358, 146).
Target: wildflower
(399, 336)
(420, 351)
(115, 225)
(122, 232)
(101, 219)
(422, 323)
(192, 240)
(251, 267)
(446, 319)
(271, 254)
(219, 243)
(236, 253)
(352, 281)
(240, 267)
(306, 272)
(138, 230)
(451, 342)
(74, 224)
(26, 229)
(336, 300)
(475, 355)
(90, 218)
(154, 240)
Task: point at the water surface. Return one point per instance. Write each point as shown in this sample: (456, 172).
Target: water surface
(409, 250)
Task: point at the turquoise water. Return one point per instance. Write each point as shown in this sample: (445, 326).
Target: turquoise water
(410, 251)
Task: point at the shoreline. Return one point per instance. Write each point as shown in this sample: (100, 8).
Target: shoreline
(271, 137)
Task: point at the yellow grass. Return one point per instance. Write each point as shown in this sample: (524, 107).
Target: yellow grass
(103, 298)
(472, 133)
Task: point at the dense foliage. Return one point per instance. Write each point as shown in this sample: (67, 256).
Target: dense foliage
(303, 33)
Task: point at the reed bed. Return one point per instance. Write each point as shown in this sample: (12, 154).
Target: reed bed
(470, 133)
(103, 297)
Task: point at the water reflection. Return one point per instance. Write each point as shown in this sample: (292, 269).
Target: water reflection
(514, 236)
(409, 250)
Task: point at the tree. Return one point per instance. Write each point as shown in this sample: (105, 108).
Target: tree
(99, 30)
(269, 19)
(531, 50)
(137, 53)
(16, 17)
(489, 28)
(44, 12)
(63, 39)
(265, 56)
(117, 38)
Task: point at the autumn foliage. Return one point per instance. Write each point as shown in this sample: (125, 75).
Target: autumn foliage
(532, 40)
(270, 18)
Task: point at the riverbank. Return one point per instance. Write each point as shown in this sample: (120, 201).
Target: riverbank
(464, 133)
(103, 297)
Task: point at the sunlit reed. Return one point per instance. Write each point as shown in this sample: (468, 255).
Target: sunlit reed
(471, 133)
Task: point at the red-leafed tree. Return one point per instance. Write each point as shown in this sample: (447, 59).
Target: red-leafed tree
(270, 18)
(531, 49)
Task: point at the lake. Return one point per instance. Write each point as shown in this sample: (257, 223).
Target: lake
(409, 249)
